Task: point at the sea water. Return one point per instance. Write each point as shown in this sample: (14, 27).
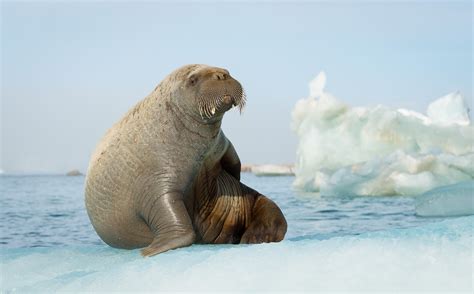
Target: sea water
(333, 243)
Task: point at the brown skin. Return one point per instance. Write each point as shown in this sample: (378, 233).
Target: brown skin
(166, 176)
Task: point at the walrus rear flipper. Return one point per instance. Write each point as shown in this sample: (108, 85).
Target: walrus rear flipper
(170, 223)
(268, 223)
(238, 214)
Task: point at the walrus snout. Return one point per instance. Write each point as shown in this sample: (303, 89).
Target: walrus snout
(216, 91)
(227, 99)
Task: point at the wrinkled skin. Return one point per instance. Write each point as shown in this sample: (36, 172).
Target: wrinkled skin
(166, 176)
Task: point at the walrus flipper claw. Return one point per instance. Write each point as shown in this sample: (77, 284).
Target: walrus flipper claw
(166, 243)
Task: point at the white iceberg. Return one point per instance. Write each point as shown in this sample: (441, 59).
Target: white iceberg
(451, 200)
(378, 150)
(448, 110)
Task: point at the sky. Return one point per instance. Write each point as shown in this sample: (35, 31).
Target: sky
(70, 70)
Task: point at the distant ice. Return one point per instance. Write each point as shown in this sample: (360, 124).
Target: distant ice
(452, 200)
(378, 150)
(434, 257)
(273, 170)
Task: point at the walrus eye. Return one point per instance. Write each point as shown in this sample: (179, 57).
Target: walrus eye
(192, 80)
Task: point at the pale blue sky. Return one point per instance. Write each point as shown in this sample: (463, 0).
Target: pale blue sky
(70, 70)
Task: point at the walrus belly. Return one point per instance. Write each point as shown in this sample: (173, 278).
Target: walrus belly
(224, 208)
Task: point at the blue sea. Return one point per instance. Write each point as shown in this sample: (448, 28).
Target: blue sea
(333, 244)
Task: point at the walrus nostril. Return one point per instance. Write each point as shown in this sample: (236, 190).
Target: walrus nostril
(221, 76)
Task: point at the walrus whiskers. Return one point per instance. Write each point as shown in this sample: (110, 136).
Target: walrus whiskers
(243, 100)
(209, 105)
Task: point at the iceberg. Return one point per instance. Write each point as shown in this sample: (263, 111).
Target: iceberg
(451, 200)
(434, 257)
(448, 110)
(378, 150)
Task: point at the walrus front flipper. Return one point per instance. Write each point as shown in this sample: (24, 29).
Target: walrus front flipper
(169, 221)
(231, 162)
(268, 223)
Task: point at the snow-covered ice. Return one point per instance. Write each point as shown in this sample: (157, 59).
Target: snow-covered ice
(433, 257)
(378, 150)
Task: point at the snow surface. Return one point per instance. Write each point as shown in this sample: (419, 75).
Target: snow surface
(378, 150)
(434, 257)
(452, 200)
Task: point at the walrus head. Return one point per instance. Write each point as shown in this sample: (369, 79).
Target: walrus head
(210, 91)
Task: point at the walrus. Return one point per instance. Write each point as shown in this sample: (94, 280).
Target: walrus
(165, 176)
